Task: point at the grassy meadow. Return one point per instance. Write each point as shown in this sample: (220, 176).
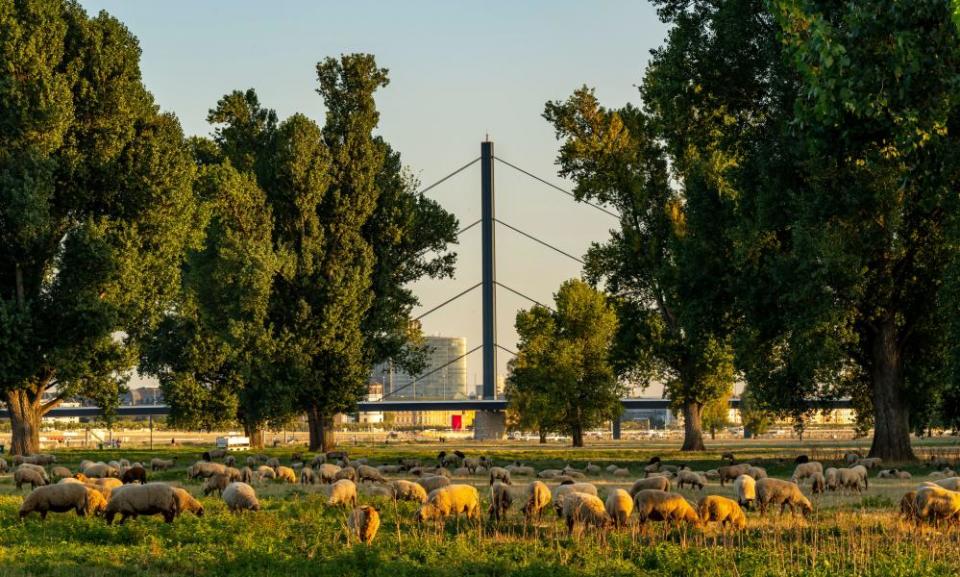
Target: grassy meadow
(297, 534)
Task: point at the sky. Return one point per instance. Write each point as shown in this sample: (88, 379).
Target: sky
(459, 72)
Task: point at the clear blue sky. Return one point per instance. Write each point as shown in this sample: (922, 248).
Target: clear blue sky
(458, 71)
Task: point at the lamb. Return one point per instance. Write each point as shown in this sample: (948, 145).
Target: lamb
(819, 483)
(162, 464)
(205, 469)
(655, 505)
(731, 472)
(240, 497)
(499, 474)
(500, 500)
(745, 487)
(407, 491)
(348, 473)
(216, 483)
(343, 492)
(934, 503)
(659, 483)
(368, 473)
(56, 498)
(724, 511)
(364, 522)
(758, 472)
(307, 476)
(538, 497)
(135, 500)
(584, 508)
(691, 479)
(327, 472)
(783, 493)
(433, 483)
(450, 500)
(265, 472)
(22, 477)
(806, 471)
(60, 473)
(187, 502)
(101, 470)
(619, 507)
(286, 475)
(135, 474)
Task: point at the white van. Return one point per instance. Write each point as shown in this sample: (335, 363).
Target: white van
(233, 443)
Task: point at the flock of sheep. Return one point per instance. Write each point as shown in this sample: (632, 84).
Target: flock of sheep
(121, 488)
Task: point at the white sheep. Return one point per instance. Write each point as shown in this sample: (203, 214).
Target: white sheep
(806, 471)
(432, 483)
(538, 497)
(240, 497)
(721, 510)
(23, 477)
(408, 491)
(500, 500)
(364, 522)
(654, 505)
(559, 493)
(783, 493)
(584, 508)
(745, 487)
(499, 474)
(149, 499)
(691, 479)
(450, 500)
(619, 507)
(731, 472)
(659, 483)
(343, 492)
(57, 499)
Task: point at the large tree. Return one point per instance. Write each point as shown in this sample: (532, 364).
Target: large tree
(669, 263)
(96, 208)
(562, 368)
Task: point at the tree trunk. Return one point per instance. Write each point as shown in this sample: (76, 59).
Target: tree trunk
(321, 430)
(891, 417)
(255, 434)
(577, 436)
(692, 428)
(25, 417)
(543, 437)
(713, 433)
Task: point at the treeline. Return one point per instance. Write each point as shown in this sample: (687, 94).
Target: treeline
(258, 273)
(788, 197)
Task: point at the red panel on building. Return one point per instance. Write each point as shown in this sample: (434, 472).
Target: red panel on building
(456, 421)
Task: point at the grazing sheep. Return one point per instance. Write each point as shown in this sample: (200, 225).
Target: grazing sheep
(286, 475)
(461, 472)
(368, 473)
(344, 493)
(264, 472)
(621, 473)
(819, 483)
(942, 474)
(56, 499)
(934, 503)
(160, 464)
(758, 472)
(619, 507)
(745, 487)
(806, 471)
(307, 476)
(908, 506)
(655, 505)
(499, 474)
(471, 464)
(105, 485)
(592, 469)
(252, 462)
(346, 472)
(731, 472)
(538, 497)
(22, 477)
(246, 475)
(871, 463)
(450, 500)
(101, 470)
(851, 458)
(783, 493)
(327, 472)
(39, 470)
(729, 458)
(230, 461)
(214, 454)
(712, 474)
(691, 479)
(647, 469)
(586, 509)
(240, 497)
(187, 503)
(500, 500)
(830, 477)
(486, 462)
(135, 500)
(724, 511)
(559, 493)
(60, 473)
(549, 474)
(854, 479)
(433, 483)
(364, 522)
(135, 474)
(273, 463)
(205, 469)
(38, 459)
(389, 469)
(659, 483)
(318, 460)
(216, 483)
(518, 470)
(408, 491)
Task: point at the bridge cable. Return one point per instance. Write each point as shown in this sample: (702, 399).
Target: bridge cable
(505, 349)
(451, 175)
(555, 187)
(448, 301)
(535, 239)
(521, 295)
(459, 232)
(418, 378)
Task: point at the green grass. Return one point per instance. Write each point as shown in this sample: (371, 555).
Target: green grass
(296, 534)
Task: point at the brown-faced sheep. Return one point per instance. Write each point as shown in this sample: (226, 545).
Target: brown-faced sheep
(135, 474)
(433, 483)
(560, 493)
(654, 505)
(101, 470)
(409, 491)
(187, 503)
(215, 483)
(731, 472)
(691, 479)
(806, 471)
(327, 472)
(583, 508)
(745, 488)
(592, 469)
(60, 472)
(658, 483)
(501, 499)
(549, 474)
(368, 473)
(934, 504)
(135, 500)
(56, 499)
(307, 476)
(783, 493)
(621, 472)
(853, 479)
(818, 483)
(286, 475)
(471, 464)
(538, 497)
(830, 478)
(205, 469)
(908, 506)
(519, 470)
(724, 511)
(450, 500)
(23, 477)
(894, 474)
(265, 473)
(619, 507)
(273, 462)
(343, 493)
(364, 522)
(758, 473)
(499, 474)
(348, 473)
(240, 497)
(38, 459)
(162, 464)
(214, 454)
